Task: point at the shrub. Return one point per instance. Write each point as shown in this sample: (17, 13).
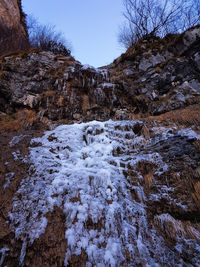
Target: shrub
(21, 119)
(57, 48)
(45, 37)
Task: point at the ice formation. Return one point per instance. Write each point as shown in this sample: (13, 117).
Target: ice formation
(81, 169)
(3, 253)
(8, 178)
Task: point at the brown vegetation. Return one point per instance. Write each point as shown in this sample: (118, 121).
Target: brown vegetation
(19, 120)
(188, 116)
(173, 228)
(196, 193)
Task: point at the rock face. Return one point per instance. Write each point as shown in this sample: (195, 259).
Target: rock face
(153, 78)
(13, 34)
(161, 75)
(115, 179)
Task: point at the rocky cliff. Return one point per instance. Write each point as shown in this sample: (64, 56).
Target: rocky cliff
(152, 78)
(13, 34)
(101, 167)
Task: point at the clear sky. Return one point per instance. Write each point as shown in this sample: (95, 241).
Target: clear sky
(90, 25)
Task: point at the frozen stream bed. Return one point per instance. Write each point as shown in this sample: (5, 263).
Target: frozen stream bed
(84, 170)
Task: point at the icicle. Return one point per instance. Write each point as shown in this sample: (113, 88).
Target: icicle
(23, 252)
(3, 253)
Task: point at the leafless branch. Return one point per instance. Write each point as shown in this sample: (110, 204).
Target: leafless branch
(156, 17)
(45, 37)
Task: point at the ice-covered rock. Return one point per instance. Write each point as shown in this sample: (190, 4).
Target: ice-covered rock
(93, 172)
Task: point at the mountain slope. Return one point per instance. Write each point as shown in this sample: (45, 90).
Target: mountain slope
(100, 167)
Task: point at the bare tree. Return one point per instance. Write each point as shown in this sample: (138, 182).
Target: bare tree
(191, 14)
(157, 17)
(45, 37)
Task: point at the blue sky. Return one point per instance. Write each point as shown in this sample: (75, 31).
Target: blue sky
(90, 25)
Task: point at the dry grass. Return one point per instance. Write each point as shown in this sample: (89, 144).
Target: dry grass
(61, 101)
(158, 69)
(2, 74)
(169, 226)
(148, 179)
(69, 59)
(192, 232)
(188, 116)
(19, 53)
(49, 93)
(21, 119)
(85, 103)
(196, 193)
(197, 145)
(192, 181)
(173, 228)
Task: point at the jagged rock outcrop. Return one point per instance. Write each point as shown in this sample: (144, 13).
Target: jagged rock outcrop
(123, 190)
(161, 74)
(13, 33)
(154, 77)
